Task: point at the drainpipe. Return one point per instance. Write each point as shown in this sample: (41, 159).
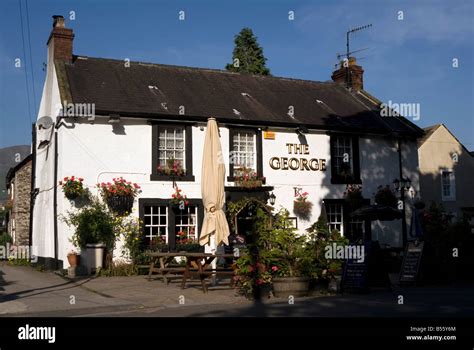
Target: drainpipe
(55, 200)
(33, 182)
(402, 195)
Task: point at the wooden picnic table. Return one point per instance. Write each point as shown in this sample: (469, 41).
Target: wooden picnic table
(196, 263)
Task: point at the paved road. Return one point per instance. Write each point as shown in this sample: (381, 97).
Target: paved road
(26, 292)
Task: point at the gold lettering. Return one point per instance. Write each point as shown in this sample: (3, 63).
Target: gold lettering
(306, 149)
(289, 145)
(297, 148)
(294, 164)
(273, 161)
(312, 166)
(323, 164)
(284, 163)
(304, 164)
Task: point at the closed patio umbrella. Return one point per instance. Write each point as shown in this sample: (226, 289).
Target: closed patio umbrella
(215, 229)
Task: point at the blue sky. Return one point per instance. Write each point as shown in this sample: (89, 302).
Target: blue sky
(408, 61)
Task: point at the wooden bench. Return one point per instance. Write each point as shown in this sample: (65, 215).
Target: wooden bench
(197, 264)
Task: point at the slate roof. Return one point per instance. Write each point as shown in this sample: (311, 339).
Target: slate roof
(428, 132)
(158, 91)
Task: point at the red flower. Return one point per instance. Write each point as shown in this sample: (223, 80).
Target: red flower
(259, 281)
(66, 178)
(274, 268)
(81, 179)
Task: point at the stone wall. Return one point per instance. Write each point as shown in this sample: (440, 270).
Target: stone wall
(21, 205)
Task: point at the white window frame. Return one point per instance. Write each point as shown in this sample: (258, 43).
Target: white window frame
(151, 225)
(452, 185)
(329, 214)
(166, 149)
(341, 145)
(187, 213)
(236, 154)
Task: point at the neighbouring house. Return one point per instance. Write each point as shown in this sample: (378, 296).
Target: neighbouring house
(18, 182)
(114, 118)
(446, 171)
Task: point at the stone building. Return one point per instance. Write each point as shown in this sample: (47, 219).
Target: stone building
(19, 199)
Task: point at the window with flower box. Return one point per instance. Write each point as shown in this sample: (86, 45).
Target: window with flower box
(172, 144)
(245, 147)
(160, 218)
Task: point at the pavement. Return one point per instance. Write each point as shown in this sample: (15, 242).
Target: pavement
(25, 291)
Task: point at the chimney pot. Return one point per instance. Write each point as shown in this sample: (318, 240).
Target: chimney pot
(58, 21)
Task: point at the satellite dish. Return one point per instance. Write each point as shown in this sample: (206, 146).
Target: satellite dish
(45, 122)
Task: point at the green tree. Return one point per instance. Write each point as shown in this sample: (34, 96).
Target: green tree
(247, 56)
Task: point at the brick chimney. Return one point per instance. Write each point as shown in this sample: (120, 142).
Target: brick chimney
(351, 76)
(60, 40)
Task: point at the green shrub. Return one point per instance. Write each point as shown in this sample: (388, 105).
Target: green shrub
(93, 225)
(4, 239)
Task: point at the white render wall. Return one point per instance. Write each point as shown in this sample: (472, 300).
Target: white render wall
(96, 153)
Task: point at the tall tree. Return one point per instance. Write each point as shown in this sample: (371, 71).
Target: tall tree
(247, 56)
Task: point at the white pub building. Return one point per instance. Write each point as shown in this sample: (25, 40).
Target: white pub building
(113, 118)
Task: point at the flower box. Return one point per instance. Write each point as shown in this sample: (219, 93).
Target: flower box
(248, 178)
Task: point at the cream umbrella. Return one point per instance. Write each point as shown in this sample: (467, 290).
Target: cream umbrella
(215, 229)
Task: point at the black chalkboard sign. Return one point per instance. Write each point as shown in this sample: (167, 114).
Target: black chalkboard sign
(411, 262)
(355, 275)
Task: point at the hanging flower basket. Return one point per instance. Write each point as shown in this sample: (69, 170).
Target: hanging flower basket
(119, 195)
(353, 196)
(120, 204)
(178, 201)
(385, 196)
(302, 207)
(72, 187)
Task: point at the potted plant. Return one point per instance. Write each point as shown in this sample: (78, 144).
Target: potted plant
(185, 243)
(250, 274)
(385, 196)
(288, 258)
(119, 195)
(72, 187)
(323, 270)
(302, 206)
(94, 232)
(73, 258)
(248, 178)
(179, 200)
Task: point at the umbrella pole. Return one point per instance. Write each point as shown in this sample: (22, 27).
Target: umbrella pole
(214, 262)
